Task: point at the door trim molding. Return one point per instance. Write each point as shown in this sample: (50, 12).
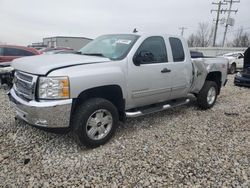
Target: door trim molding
(146, 92)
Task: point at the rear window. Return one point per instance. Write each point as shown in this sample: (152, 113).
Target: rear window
(27, 53)
(17, 52)
(177, 49)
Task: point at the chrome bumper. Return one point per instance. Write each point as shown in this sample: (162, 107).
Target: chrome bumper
(50, 114)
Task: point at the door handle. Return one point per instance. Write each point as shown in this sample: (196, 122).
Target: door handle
(165, 70)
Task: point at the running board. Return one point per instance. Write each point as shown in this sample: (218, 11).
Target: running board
(154, 109)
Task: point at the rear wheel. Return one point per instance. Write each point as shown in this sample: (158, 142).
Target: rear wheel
(95, 122)
(232, 69)
(208, 95)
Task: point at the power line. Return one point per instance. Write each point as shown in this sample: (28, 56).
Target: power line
(182, 30)
(228, 17)
(219, 11)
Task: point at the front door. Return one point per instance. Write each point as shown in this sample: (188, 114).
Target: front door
(149, 82)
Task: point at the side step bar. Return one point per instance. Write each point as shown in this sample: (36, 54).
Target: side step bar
(154, 109)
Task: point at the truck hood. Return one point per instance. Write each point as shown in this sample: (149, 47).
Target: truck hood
(42, 64)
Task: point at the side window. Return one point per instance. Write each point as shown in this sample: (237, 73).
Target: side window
(7, 52)
(16, 52)
(11, 52)
(177, 49)
(1, 51)
(26, 53)
(152, 50)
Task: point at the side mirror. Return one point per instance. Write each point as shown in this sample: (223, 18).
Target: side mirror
(143, 57)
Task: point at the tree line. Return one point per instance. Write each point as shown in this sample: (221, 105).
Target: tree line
(204, 37)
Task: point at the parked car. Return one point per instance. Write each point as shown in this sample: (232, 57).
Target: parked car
(9, 52)
(235, 61)
(196, 54)
(111, 78)
(243, 78)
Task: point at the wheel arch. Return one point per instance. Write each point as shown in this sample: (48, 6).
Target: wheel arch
(216, 77)
(233, 63)
(112, 93)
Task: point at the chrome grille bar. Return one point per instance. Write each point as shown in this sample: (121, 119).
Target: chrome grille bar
(24, 85)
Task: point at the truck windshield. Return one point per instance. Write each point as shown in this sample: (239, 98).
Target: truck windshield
(114, 47)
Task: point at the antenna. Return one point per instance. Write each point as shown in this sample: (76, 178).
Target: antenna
(182, 30)
(135, 30)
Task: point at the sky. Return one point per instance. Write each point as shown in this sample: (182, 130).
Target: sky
(23, 22)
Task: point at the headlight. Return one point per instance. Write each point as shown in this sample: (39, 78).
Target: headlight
(239, 74)
(53, 88)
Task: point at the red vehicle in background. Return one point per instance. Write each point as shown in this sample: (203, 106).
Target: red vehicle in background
(10, 52)
(7, 54)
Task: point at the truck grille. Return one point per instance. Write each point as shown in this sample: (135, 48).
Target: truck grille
(24, 85)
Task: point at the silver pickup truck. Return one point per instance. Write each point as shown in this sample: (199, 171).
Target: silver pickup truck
(113, 77)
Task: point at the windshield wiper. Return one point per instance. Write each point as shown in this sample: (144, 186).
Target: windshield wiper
(94, 54)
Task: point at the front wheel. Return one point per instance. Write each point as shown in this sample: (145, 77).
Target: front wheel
(95, 122)
(208, 95)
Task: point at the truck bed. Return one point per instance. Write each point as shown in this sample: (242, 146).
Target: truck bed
(203, 66)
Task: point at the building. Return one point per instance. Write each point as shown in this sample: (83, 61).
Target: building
(75, 43)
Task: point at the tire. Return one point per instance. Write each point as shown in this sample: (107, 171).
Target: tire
(1, 83)
(95, 122)
(204, 98)
(232, 69)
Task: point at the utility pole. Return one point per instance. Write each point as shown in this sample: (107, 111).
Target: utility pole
(228, 17)
(182, 30)
(219, 11)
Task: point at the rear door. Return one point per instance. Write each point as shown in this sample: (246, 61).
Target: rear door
(181, 67)
(150, 82)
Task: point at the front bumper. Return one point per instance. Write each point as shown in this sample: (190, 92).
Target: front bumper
(241, 81)
(49, 114)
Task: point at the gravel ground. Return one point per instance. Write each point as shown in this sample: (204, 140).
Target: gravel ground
(182, 147)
